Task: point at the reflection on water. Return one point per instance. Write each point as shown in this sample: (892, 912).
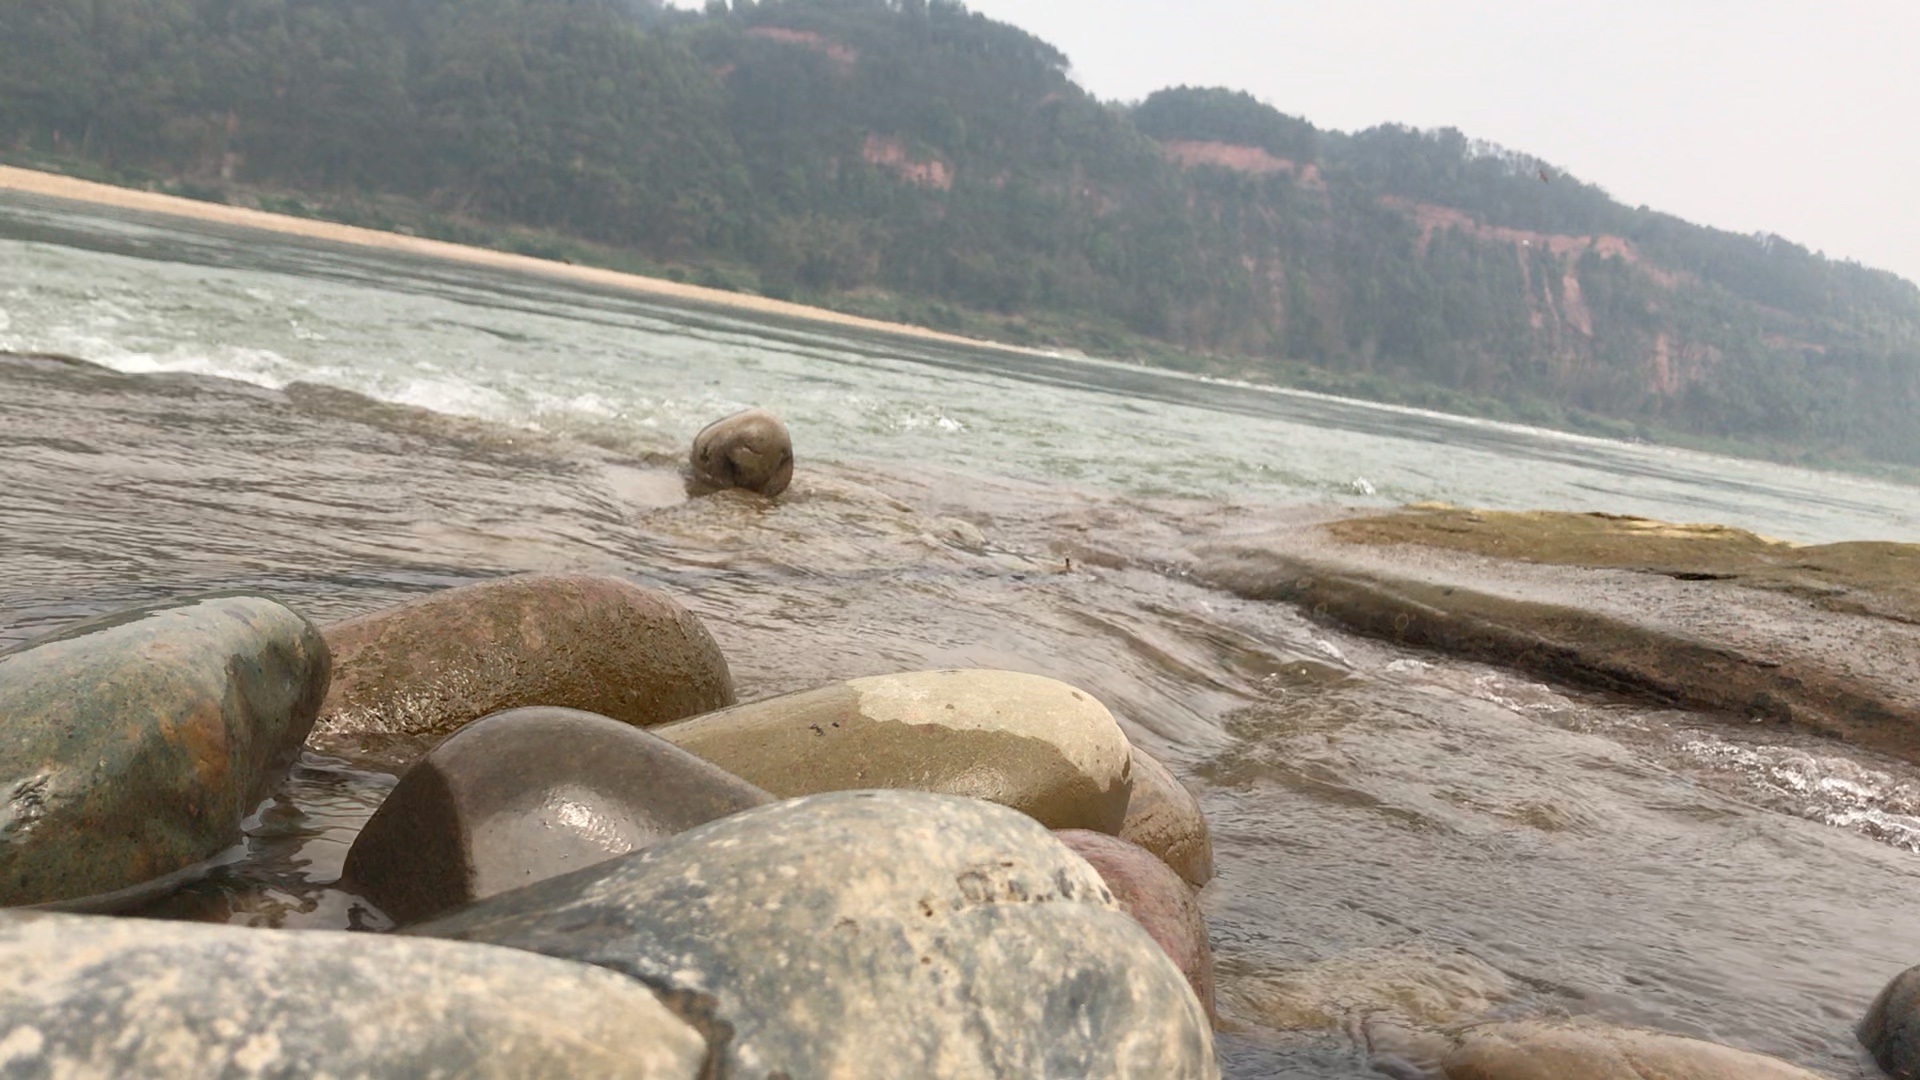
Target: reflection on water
(1400, 839)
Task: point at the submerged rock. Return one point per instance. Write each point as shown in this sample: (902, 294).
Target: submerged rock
(1891, 1029)
(92, 996)
(525, 795)
(131, 747)
(601, 644)
(1165, 818)
(1032, 743)
(750, 450)
(1542, 1050)
(1158, 900)
(873, 933)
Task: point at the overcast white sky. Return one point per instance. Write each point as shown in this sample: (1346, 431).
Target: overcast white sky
(1799, 117)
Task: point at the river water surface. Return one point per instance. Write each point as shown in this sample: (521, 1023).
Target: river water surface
(1401, 839)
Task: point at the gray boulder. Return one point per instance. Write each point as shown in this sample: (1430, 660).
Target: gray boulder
(95, 996)
(602, 644)
(749, 450)
(131, 747)
(525, 795)
(873, 934)
(1035, 744)
(1891, 1029)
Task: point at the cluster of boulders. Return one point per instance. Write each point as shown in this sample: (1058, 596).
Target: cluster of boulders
(604, 866)
(600, 863)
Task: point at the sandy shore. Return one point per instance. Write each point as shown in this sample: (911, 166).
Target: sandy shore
(66, 187)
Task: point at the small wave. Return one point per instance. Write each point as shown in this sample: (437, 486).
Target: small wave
(1833, 790)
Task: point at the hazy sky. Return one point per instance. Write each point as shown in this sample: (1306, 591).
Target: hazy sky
(1799, 117)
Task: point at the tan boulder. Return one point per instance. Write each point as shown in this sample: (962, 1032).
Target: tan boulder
(1165, 818)
(1541, 1050)
(750, 450)
(1035, 744)
(601, 644)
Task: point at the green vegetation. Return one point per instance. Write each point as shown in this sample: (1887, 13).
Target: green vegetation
(912, 159)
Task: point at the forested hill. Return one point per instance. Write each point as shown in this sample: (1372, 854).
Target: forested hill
(924, 161)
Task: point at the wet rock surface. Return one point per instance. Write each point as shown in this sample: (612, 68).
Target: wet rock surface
(601, 644)
(132, 746)
(1157, 899)
(1891, 1029)
(1701, 617)
(1035, 744)
(1165, 818)
(92, 996)
(1558, 1050)
(525, 795)
(873, 933)
(750, 450)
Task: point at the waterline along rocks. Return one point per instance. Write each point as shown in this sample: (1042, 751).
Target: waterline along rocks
(525, 795)
(1035, 744)
(601, 644)
(132, 746)
(874, 933)
(93, 996)
(750, 450)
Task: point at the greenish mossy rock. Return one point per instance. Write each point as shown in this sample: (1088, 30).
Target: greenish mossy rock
(525, 795)
(1032, 743)
(1165, 818)
(95, 996)
(131, 747)
(1891, 1029)
(1158, 900)
(601, 644)
(873, 934)
(749, 450)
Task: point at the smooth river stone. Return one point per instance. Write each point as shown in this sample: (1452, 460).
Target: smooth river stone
(1891, 1029)
(873, 934)
(131, 747)
(1035, 744)
(749, 450)
(1158, 900)
(601, 644)
(525, 795)
(94, 996)
(1165, 818)
(1544, 1050)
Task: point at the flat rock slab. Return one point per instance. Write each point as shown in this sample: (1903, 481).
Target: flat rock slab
(1165, 818)
(1540, 1050)
(1157, 898)
(602, 644)
(1700, 617)
(1035, 744)
(96, 996)
(873, 934)
(131, 747)
(525, 795)
(1891, 1029)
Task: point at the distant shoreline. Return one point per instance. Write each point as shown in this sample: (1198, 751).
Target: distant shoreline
(57, 186)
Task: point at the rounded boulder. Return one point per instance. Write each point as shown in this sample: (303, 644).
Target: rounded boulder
(1158, 900)
(525, 795)
(93, 996)
(601, 644)
(1545, 1050)
(750, 450)
(1165, 818)
(1891, 1029)
(1035, 744)
(873, 933)
(132, 746)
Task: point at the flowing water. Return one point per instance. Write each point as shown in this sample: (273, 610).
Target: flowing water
(1401, 838)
